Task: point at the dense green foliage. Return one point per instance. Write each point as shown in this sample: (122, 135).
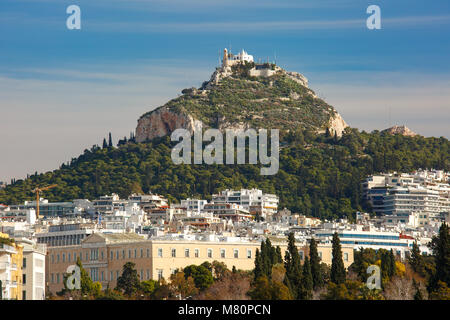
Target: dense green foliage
(318, 176)
(261, 102)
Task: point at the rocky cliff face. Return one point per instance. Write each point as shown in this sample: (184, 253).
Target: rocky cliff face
(231, 99)
(162, 122)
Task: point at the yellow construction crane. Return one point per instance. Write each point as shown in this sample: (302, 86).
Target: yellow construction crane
(37, 191)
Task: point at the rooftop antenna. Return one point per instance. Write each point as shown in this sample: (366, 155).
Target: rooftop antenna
(275, 56)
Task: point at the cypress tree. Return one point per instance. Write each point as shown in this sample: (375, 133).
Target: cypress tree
(418, 295)
(258, 265)
(307, 281)
(416, 259)
(279, 259)
(337, 275)
(293, 266)
(391, 263)
(105, 145)
(110, 143)
(315, 265)
(440, 245)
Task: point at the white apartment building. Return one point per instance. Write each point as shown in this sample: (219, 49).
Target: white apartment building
(253, 200)
(33, 270)
(193, 205)
(424, 192)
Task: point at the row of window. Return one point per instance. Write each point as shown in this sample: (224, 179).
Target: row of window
(97, 275)
(209, 253)
(93, 255)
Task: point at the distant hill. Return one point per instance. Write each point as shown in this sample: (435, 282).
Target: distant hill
(322, 160)
(318, 175)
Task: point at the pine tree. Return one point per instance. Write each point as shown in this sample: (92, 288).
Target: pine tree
(110, 143)
(307, 281)
(315, 265)
(337, 264)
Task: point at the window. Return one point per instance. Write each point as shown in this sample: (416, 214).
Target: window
(148, 253)
(24, 263)
(57, 278)
(111, 276)
(142, 253)
(53, 278)
(87, 256)
(174, 253)
(141, 275)
(209, 253)
(135, 253)
(249, 253)
(236, 253)
(57, 258)
(186, 253)
(320, 254)
(302, 255)
(160, 273)
(196, 253)
(345, 256)
(111, 256)
(63, 257)
(117, 275)
(24, 279)
(148, 274)
(102, 276)
(53, 258)
(160, 252)
(129, 254)
(123, 254)
(68, 257)
(102, 255)
(222, 253)
(117, 254)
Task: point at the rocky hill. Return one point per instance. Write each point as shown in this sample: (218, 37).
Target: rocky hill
(403, 130)
(244, 96)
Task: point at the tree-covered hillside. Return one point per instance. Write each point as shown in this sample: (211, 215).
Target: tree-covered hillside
(318, 176)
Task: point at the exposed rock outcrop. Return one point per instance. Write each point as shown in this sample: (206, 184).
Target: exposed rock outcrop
(403, 130)
(337, 125)
(162, 122)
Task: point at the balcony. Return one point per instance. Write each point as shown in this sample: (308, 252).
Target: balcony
(7, 248)
(9, 283)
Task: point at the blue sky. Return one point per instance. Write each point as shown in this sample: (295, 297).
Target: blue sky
(62, 91)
